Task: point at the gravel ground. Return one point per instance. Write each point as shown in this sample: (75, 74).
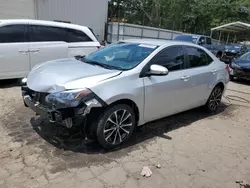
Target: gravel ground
(194, 149)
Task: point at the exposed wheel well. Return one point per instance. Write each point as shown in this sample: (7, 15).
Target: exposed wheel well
(129, 103)
(221, 85)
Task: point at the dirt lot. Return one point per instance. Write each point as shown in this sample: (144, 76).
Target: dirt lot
(194, 149)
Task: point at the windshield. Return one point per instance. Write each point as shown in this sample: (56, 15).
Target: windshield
(245, 56)
(120, 56)
(187, 38)
(231, 47)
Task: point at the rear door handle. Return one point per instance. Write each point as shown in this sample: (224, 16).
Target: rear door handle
(23, 51)
(214, 71)
(34, 50)
(185, 78)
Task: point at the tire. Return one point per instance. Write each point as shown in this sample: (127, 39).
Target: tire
(115, 126)
(214, 99)
(231, 78)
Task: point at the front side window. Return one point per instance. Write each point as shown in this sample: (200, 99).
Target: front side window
(172, 58)
(40, 33)
(121, 56)
(77, 36)
(197, 57)
(209, 40)
(12, 34)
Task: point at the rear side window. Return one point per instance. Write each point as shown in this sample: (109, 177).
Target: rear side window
(77, 36)
(40, 33)
(197, 57)
(172, 58)
(12, 34)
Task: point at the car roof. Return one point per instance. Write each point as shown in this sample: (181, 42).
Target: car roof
(50, 23)
(43, 22)
(196, 35)
(159, 42)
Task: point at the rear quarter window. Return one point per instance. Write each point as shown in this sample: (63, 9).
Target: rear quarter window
(77, 36)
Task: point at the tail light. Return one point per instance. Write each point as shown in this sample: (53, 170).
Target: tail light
(228, 68)
(99, 47)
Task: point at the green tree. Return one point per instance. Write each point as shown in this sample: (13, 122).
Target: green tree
(193, 16)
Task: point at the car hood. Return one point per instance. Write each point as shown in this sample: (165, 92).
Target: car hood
(243, 63)
(63, 74)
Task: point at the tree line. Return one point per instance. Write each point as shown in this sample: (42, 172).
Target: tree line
(192, 16)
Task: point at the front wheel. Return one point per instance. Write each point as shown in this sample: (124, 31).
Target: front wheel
(214, 99)
(115, 126)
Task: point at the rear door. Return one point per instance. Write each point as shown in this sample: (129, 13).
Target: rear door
(47, 43)
(14, 56)
(203, 75)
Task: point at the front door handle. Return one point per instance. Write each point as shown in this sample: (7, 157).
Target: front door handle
(185, 78)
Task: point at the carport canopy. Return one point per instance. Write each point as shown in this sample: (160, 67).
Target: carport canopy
(240, 30)
(233, 27)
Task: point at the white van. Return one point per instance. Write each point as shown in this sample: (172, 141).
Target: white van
(25, 43)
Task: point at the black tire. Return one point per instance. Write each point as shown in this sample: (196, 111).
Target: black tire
(231, 78)
(214, 99)
(112, 122)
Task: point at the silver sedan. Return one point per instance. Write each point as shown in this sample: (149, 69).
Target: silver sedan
(125, 85)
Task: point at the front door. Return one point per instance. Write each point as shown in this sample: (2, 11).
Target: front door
(167, 95)
(14, 52)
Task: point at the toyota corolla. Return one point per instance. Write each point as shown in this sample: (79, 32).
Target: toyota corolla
(125, 85)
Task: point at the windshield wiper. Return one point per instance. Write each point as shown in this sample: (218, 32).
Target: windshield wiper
(106, 66)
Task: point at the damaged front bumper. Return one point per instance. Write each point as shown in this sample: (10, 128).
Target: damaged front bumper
(67, 116)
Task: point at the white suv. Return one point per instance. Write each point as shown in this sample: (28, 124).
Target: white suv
(25, 43)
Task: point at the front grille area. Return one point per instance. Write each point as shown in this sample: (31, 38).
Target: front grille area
(39, 97)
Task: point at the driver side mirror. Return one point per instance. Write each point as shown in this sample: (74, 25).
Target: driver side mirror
(157, 70)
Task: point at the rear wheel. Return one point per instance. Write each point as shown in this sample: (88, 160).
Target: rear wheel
(214, 99)
(115, 126)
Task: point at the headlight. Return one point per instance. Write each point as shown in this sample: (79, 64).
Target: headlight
(235, 66)
(68, 98)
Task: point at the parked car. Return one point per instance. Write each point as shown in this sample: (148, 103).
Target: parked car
(240, 68)
(26, 43)
(204, 41)
(125, 85)
(233, 51)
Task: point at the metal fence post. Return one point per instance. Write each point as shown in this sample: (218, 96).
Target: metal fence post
(118, 32)
(142, 31)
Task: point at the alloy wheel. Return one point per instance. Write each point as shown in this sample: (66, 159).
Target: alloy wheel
(215, 99)
(118, 126)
